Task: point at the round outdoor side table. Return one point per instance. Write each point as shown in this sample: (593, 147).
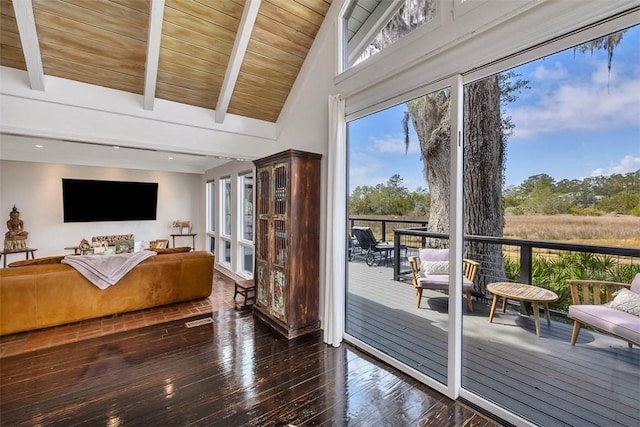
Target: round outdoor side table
(522, 292)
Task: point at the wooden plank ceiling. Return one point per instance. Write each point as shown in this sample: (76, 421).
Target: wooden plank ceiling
(104, 43)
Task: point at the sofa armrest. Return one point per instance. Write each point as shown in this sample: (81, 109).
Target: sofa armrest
(595, 292)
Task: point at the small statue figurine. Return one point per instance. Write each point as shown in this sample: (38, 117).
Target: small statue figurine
(16, 237)
(84, 247)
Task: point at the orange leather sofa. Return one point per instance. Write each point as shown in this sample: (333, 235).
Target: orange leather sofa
(39, 296)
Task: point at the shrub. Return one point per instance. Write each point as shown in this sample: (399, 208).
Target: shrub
(552, 272)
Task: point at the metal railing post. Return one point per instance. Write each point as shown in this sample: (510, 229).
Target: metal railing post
(396, 256)
(525, 264)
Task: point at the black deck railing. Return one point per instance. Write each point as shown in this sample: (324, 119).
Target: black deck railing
(383, 227)
(411, 235)
(526, 248)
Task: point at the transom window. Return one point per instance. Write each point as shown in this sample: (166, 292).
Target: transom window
(369, 26)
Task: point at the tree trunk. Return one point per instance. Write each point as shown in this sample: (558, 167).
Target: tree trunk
(483, 153)
(483, 168)
(483, 175)
(430, 117)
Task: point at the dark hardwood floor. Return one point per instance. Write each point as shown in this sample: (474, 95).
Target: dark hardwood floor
(232, 372)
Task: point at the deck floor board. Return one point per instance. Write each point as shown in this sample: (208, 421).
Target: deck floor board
(544, 379)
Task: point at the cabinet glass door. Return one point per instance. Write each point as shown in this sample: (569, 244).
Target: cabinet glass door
(264, 186)
(280, 242)
(280, 182)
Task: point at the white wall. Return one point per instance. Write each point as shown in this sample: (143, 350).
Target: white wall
(36, 190)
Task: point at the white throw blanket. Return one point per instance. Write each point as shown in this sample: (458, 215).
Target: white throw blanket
(105, 270)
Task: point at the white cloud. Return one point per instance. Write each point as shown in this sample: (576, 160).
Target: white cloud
(626, 165)
(393, 144)
(581, 105)
(557, 72)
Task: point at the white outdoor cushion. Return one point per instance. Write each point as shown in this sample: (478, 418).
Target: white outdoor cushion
(434, 267)
(428, 254)
(625, 325)
(635, 285)
(441, 282)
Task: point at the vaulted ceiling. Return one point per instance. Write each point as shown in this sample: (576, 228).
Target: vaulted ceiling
(232, 56)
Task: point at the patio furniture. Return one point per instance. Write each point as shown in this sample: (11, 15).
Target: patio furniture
(353, 247)
(438, 278)
(618, 314)
(522, 292)
(373, 249)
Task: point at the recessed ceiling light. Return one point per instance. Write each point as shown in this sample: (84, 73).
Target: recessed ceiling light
(170, 158)
(39, 146)
(116, 147)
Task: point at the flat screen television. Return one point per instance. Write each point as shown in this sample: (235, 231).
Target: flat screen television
(86, 200)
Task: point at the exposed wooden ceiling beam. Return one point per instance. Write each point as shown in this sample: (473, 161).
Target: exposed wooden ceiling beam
(249, 15)
(153, 53)
(26, 21)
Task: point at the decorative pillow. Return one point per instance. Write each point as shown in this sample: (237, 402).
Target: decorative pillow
(635, 285)
(434, 255)
(434, 267)
(37, 261)
(626, 301)
(172, 250)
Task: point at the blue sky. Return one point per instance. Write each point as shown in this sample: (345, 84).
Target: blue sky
(576, 120)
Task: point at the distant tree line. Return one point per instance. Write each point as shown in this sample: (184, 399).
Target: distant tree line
(538, 194)
(392, 198)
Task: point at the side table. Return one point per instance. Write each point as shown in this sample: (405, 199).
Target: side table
(522, 292)
(26, 251)
(193, 239)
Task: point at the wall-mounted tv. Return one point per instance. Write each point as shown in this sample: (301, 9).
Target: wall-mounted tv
(85, 200)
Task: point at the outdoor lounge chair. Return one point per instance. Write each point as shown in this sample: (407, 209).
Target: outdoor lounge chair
(604, 306)
(353, 248)
(373, 250)
(438, 277)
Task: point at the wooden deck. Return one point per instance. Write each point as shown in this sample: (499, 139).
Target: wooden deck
(543, 379)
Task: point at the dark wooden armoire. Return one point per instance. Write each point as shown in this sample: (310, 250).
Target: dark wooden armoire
(287, 242)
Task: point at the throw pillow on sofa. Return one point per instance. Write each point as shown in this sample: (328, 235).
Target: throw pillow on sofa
(626, 301)
(37, 261)
(172, 250)
(635, 284)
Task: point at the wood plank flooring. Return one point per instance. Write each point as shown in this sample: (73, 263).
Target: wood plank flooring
(234, 371)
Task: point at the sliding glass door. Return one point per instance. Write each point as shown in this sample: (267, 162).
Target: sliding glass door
(399, 171)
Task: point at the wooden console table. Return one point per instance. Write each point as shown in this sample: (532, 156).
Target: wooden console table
(26, 251)
(193, 239)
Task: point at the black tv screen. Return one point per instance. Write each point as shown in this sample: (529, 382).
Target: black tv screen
(85, 200)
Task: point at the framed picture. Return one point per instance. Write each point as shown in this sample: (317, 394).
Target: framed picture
(162, 244)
